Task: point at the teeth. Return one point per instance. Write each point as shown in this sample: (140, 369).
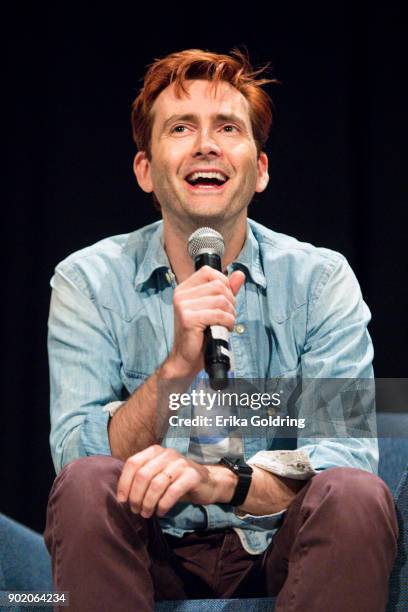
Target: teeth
(209, 175)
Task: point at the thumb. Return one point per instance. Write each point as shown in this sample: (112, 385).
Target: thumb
(236, 280)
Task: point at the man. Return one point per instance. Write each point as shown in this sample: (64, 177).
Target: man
(135, 517)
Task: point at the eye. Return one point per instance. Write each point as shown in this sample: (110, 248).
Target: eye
(179, 129)
(230, 129)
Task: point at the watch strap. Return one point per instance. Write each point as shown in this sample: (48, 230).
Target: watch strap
(244, 473)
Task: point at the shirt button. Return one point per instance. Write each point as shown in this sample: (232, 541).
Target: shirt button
(170, 277)
(240, 328)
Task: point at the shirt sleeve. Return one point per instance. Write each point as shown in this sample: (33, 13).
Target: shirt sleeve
(337, 358)
(338, 400)
(84, 364)
(338, 346)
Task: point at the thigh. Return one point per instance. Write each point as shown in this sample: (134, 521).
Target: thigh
(275, 561)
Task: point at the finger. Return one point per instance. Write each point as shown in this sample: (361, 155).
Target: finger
(188, 480)
(205, 318)
(146, 474)
(212, 301)
(158, 486)
(204, 275)
(132, 465)
(214, 287)
(236, 280)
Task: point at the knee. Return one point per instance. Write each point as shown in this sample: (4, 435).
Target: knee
(352, 484)
(83, 501)
(94, 466)
(357, 494)
(86, 481)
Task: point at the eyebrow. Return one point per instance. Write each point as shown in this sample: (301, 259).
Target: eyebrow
(191, 117)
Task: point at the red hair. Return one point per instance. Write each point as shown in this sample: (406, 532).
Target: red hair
(197, 64)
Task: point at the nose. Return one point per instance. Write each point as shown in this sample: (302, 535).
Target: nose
(206, 145)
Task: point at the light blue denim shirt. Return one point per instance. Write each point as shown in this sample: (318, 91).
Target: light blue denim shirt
(299, 313)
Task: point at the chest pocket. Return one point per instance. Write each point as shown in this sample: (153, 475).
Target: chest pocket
(132, 380)
(144, 347)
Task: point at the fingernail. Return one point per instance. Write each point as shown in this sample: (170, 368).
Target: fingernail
(121, 498)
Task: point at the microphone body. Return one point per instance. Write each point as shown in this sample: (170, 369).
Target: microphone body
(206, 247)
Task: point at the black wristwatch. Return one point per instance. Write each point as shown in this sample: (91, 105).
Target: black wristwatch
(244, 473)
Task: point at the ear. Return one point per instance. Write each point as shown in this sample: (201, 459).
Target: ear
(141, 168)
(263, 176)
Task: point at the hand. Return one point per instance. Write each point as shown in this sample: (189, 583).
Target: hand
(206, 298)
(157, 478)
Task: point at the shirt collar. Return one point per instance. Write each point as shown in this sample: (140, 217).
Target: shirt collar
(250, 258)
(153, 257)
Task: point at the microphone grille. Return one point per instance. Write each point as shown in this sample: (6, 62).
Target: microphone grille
(205, 239)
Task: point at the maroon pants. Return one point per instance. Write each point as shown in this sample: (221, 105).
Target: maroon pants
(334, 551)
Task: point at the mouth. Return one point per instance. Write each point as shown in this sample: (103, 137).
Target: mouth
(206, 181)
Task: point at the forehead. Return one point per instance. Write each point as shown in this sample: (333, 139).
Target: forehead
(203, 99)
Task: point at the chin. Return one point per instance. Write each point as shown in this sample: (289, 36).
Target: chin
(205, 214)
(206, 208)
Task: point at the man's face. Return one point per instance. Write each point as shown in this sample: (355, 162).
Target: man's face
(204, 164)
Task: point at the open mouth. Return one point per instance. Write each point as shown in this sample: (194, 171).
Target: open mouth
(207, 180)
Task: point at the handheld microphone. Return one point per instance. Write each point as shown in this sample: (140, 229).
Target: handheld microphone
(206, 248)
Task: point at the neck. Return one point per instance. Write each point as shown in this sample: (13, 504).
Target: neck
(176, 239)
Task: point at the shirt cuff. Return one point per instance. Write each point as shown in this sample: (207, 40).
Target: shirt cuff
(112, 407)
(294, 464)
(267, 521)
(94, 434)
(286, 463)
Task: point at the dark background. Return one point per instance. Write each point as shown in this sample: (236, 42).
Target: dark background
(337, 160)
